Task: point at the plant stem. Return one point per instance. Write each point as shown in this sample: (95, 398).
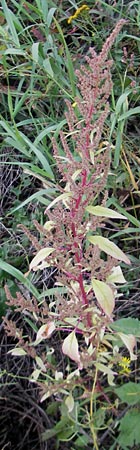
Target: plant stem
(91, 412)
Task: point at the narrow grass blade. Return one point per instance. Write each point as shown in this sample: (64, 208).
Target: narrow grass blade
(40, 157)
(19, 104)
(132, 178)
(131, 218)
(47, 131)
(118, 148)
(128, 230)
(20, 277)
(69, 60)
(9, 17)
(131, 112)
(32, 197)
(17, 146)
(50, 14)
(14, 51)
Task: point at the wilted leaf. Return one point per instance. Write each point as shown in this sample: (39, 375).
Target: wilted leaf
(92, 160)
(109, 247)
(40, 363)
(103, 368)
(41, 266)
(34, 376)
(17, 352)
(106, 371)
(104, 295)
(116, 276)
(49, 225)
(58, 375)
(76, 174)
(61, 197)
(130, 342)
(45, 396)
(44, 332)
(70, 347)
(75, 373)
(101, 211)
(41, 255)
(129, 393)
(69, 402)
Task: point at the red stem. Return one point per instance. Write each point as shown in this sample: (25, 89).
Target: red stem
(87, 128)
(77, 256)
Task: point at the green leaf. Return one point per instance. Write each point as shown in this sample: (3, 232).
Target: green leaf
(129, 393)
(35, 51)
(127, 326)
(47, 66)
(109, 247)
(50, 16)
(104, 212)
(67, 434)
(52, 408)
(15, 51)
(48, 434)
(99, 417)
(130, 429)
(104, 295)
(58, 428)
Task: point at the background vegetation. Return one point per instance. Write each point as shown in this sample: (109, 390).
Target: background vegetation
(40, 52)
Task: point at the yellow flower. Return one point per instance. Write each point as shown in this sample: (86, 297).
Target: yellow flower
(74, 104)
(125, 363)
(77, 12)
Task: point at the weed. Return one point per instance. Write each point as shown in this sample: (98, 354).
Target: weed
(73, 338)
(73, 241)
